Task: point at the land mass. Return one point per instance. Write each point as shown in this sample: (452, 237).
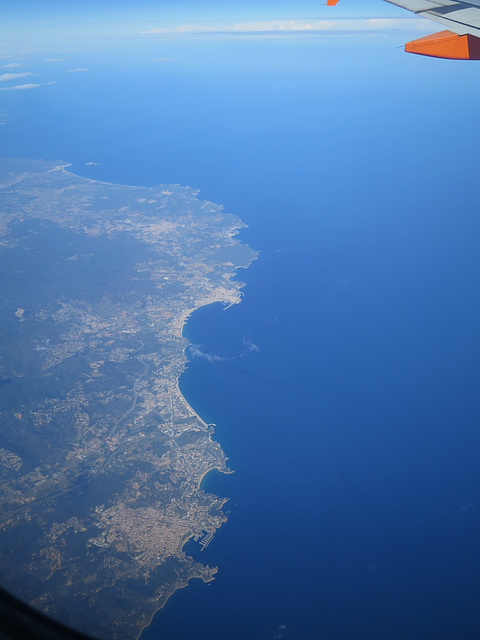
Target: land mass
(101, 457)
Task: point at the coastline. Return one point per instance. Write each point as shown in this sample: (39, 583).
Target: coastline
(177, 588)
(183, 321)
(181, 324)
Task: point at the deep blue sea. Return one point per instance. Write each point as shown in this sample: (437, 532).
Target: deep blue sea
(353, 424)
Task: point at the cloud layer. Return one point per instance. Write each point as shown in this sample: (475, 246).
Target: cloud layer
(285, 27)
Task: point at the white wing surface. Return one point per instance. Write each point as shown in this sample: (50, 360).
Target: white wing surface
(459, 17)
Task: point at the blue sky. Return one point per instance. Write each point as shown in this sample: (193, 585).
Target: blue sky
(28, 23)
(118, 9)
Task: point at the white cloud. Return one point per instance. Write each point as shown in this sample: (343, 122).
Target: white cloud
(196, 351)
(55, 60)
(284, 27)
(20, 87)
(4, 77)
(12, 65)
(247, 342)
(79, 70)
(280, 632)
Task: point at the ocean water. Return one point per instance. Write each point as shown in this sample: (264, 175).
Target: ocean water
(347, 391)
(353, 431)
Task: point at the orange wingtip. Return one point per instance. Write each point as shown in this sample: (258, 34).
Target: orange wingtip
(331, 3)
(446, 44)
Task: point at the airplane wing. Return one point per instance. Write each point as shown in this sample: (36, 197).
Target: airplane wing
(460, 42)
(459, 17)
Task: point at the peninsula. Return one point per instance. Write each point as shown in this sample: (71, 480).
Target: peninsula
(101, 457)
